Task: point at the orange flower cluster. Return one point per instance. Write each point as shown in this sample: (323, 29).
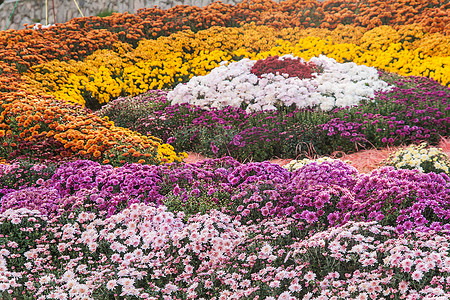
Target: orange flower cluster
(82, 36)
(430, 14)
(30, 122)
(21, 49)
(153, 22)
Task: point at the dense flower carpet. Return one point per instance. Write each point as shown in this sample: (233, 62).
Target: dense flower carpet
(98, 115)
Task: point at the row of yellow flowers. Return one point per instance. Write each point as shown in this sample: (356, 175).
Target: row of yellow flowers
(392, 58)
(167, 61)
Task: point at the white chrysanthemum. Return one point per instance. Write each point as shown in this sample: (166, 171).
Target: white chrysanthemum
(297, 164)
(339, 85)
(420, 158)
(266, 250)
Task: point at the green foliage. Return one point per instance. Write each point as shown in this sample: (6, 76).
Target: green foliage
(192, 203)
(105, 13)
(126, 111)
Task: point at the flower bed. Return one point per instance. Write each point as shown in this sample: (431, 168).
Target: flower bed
(167, 61)
(413, 109)
(205, 250)
(39, 126)
(97, 203)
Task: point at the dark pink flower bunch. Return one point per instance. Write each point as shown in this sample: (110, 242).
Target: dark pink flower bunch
(406, 199)
(290, 66)
(317, 195)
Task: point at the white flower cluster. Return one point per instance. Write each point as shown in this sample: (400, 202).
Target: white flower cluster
(420, 158)
(297, 164)
(339, 85)
(41, 26)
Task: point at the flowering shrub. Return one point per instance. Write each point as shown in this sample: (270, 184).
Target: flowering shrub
(263, 265)
(339, 85)
(24, 173)
(318, 195)
(421, 158)
(198, 188)
(194, 200)
(111, 188)
(169, 259)
(42, 199)
(38, 244)
(362, 260)
(285, 65)
(203, 246)
(403, 198)
(333, 172)
(415, 109)
(255, 172)
(43, 127)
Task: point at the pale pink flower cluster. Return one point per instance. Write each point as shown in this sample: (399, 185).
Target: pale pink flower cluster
(385, 264)
(148, 252)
